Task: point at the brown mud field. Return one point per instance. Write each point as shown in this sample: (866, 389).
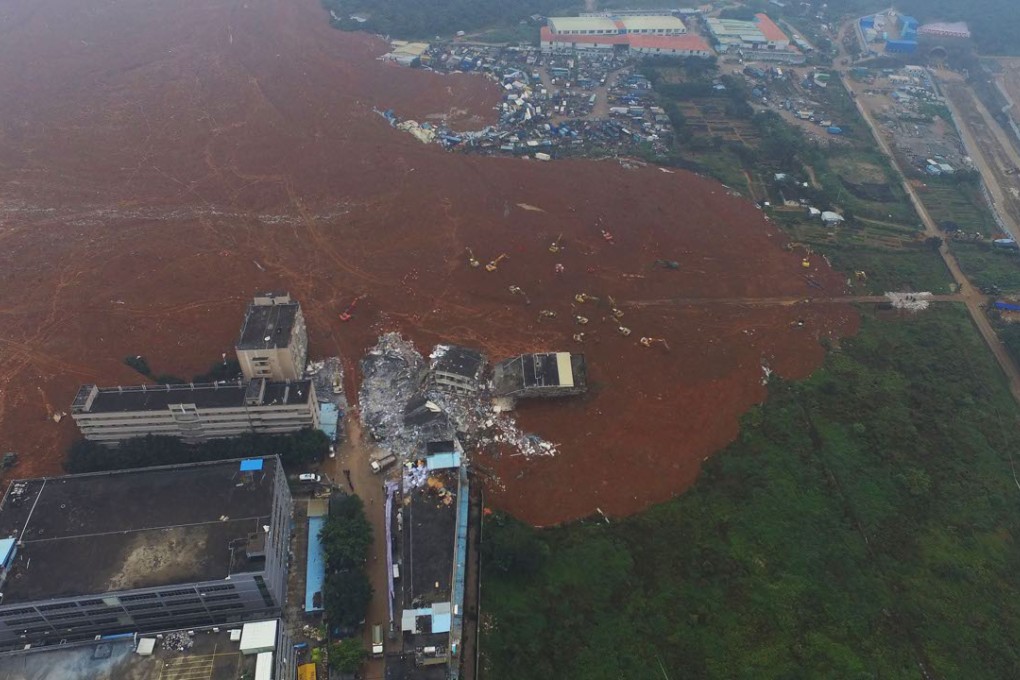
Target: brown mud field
(161, 162)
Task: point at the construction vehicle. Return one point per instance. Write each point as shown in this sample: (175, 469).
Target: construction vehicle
(494, 265)
(546, 314)
(472, 260)
(581, 320)
(806, 263)
(380, 464)
(517, 290)
(346, 315)
(623, 330)
(377, 641)
(578, 337)
(607, 237)
(648, 342)
(581, 298)
(554, 247)
(616, 312)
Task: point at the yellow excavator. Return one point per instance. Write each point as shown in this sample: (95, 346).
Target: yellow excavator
(494, 265)
(554, 247)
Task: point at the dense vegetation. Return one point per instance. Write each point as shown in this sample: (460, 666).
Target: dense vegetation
(295, 450)
(346, 538)
(428, 18)
(863, 525)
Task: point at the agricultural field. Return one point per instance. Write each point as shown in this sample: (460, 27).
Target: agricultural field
(960, 203)
(988, 267)
(861, 526)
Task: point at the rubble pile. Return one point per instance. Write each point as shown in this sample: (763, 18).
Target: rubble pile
(912, 302)
(392, 373)
(178, 641)
(549, 104)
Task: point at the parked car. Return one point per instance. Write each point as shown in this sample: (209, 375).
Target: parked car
(310, 477)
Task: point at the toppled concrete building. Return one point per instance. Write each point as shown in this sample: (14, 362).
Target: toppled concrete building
(548, 374)
(455, 370)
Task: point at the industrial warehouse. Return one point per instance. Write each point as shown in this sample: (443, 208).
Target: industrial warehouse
(641, 35)
(141, 550)
(272, 398)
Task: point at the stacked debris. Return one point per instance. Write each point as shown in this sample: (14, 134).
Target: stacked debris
(179, 641)
(392, 372)
(912, 302)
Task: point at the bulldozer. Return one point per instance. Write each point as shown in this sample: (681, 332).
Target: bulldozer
(494, 265)
(581, 298)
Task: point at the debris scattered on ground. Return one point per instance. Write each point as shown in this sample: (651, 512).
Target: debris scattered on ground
(912, 302)
(178, 641)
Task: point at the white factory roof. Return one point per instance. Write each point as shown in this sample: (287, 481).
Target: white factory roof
(600, 24)
(258, 637)
(653, 24)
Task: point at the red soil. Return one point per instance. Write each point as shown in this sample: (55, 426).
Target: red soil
(160, 162)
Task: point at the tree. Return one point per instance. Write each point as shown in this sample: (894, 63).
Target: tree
(346, 595)
(347, 655)
(346, 540)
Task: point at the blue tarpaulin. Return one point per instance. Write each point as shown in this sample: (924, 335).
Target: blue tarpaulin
(1011, 306)
(251, 464)
(443, 461)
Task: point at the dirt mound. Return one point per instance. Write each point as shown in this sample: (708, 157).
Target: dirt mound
(159, 163)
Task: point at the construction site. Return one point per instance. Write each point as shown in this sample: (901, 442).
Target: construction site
(680, 295)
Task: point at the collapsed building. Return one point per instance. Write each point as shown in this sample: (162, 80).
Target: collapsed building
(548, 374)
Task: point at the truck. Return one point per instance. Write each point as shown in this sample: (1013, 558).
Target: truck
(377, 641)
(380, 464)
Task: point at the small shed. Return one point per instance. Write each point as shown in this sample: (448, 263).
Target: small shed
(832, 218)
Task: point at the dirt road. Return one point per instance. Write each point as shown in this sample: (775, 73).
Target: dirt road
(971, 297)
(988, 148)
(353, 455)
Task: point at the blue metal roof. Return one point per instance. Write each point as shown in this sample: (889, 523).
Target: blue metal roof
(443, 461)
(6, 550)
(251, 464)
(329, 415)
(315, 575)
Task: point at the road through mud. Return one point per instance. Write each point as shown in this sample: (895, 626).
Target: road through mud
(161, 162)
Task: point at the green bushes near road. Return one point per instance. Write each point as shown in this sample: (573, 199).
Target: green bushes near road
(296, 450)
(988, 267)
(346, 537)
(863, 525)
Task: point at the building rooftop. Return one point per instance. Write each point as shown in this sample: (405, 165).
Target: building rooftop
(429, 537)
(687, 41)
(769, 29)
(653, 23)
(561, 24)
(151, 527)
(268, 322)
(212, 656)
(547, 35)
(457, 361)
(202, 395)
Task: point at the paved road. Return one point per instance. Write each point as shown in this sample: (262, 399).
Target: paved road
(778, 301)
(971, 297)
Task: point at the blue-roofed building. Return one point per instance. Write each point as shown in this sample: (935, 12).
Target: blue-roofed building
(901, 46)
(315, 570)
(329, 418)
(908, 28)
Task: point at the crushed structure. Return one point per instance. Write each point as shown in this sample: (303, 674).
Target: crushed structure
(143, 550)
(548, 374)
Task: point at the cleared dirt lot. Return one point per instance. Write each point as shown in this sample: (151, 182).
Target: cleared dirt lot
(160, 163)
